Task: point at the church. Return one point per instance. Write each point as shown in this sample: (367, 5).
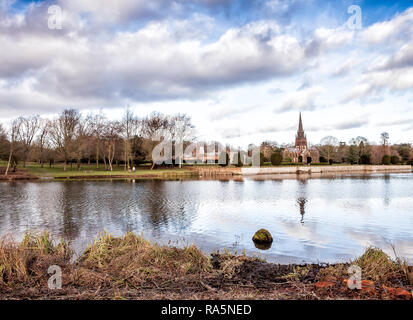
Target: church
(301, 153)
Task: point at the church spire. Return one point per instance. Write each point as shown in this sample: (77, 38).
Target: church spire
(300, 139)
(300, 125)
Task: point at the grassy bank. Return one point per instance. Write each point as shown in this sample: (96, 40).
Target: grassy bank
(130, 267)
(94, 172)
(91, 171)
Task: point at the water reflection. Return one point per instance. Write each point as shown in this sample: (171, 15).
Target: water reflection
(339, 216)
(301, 203)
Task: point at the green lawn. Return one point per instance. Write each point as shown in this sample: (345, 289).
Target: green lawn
(57, 171)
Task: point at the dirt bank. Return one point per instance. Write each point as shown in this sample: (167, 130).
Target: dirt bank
(19, 174)
(133, 268)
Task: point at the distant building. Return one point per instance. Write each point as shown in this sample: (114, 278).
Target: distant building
(301, 153)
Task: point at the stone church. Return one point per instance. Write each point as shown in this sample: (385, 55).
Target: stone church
(301, 153)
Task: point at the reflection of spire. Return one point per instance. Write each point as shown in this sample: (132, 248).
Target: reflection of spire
(301, 203)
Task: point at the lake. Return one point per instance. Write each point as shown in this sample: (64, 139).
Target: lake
(328, 219)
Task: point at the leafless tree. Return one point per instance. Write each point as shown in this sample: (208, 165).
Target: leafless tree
(384, 137)
(63, 131)
(28, 128)
(328, 147)
(182, 131)
(111, 139)
(14, 133)
(155, 128)
(96, 124)
(129, 128)
(43, 140)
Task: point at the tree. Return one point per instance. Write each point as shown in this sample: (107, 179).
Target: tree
(43, 140)
(223, 159)
(182, 130)
(155, 128)
(28, 128)
(262, 159)
(384, 138)
(328, 148)
(83, 132)
(353, 155)
(386, 160)
(237, 160)
(268, 148)
(276, 158)
(130, 129)
(63, 131)
(4, 143)
(14, 133)
(111, 138)
(395, 160)
(96, 126)
(404, 151)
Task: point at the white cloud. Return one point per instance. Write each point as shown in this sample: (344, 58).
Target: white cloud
(398, 28)
(300, 100)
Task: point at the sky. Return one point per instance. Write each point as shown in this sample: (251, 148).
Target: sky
(243, 70)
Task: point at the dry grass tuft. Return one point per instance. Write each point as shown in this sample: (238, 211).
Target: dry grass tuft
(27, 262)
(375, 265)
(134, 260)
(378, 266)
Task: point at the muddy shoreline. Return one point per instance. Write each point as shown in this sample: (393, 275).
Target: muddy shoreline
(133, 268)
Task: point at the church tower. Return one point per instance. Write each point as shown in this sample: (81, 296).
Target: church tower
(300, 138)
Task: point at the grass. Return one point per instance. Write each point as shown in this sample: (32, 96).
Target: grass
(56, 171)
(92, 171)
(375, 265)
(130, 267)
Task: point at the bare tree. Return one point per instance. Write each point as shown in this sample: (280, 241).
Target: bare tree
(155, 128)
(43, 140)
(14, 133)
(129, 129)
(111, 138)
(96, 124)
(28, 128)
(181, 130)
(4, 144)
(328, 147)
(384, 137)
(62, 133)
(83, 131)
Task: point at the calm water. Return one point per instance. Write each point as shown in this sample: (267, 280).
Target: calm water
(311, 220)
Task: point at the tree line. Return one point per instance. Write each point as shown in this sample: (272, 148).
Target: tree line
(357, 151)
(73, 139)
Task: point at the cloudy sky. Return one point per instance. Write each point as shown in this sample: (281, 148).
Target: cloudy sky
(241, 69)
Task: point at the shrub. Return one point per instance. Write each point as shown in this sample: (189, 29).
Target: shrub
(237, 161)
(262, 158)
(323, 160)
(309, 160)
(386, 160)
(395, 160)
(330, 161)
(276, 159)
(364, 159)
(223, 159)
